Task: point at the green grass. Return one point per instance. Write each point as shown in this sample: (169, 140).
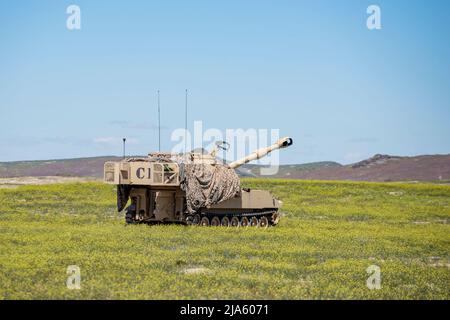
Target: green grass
(330, 234)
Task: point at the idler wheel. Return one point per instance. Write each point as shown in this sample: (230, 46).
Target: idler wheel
(244, 222)
(275, 218)
(225, 222)
(204, 222)
(235, 222)
(215, 222)
(263, 222)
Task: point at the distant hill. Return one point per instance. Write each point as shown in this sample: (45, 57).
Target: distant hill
(287, 170)
(78, 167)
(378, 168)
(384, 168)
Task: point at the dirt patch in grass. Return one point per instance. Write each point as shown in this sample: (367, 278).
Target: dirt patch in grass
(20, 181)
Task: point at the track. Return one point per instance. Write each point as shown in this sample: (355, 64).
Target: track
(255, 218)
(262, 219)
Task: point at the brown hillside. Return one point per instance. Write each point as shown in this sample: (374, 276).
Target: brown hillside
(80, 167)
(377, 168)
(385, 168)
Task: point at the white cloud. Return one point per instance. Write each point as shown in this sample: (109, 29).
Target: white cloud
(135, 125)
(114, 140)
(364, 140)
(354, 156)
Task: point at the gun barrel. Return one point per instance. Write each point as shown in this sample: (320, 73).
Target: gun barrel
(257, 154)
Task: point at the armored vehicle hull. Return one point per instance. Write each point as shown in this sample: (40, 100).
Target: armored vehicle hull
(168, 205)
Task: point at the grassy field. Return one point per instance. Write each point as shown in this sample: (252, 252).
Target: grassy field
(330, 234)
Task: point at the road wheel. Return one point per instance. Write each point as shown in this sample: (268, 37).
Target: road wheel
(235, 222)
(196, 219)
(215, 222)
(204, 222)
(244, 222)
(263, 222)
(275, 218)
(254, 222)
(225, 222)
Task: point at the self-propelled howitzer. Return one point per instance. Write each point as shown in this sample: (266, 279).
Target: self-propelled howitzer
(192, 188)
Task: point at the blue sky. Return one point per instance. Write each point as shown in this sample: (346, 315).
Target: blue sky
(310, 68)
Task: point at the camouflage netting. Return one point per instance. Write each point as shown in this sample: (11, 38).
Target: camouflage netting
(206, 184)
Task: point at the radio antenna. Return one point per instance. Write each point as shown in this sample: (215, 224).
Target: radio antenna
(124, 140)
(159, 125)
(185, 121)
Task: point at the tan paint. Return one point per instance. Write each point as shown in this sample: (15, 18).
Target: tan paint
(258, 154)
(142, 173)
(249, 200)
